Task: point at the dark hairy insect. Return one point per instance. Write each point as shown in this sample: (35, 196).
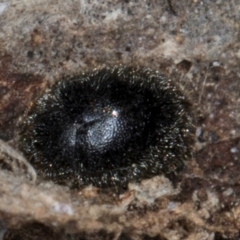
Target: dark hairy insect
(109, 127)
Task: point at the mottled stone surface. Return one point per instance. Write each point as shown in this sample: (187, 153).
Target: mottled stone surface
(196, 43)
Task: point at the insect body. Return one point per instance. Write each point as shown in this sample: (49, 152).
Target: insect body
(109, 127)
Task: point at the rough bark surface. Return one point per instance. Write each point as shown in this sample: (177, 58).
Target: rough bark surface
(196, 43)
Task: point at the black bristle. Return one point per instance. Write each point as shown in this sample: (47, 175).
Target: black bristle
(109, 127)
